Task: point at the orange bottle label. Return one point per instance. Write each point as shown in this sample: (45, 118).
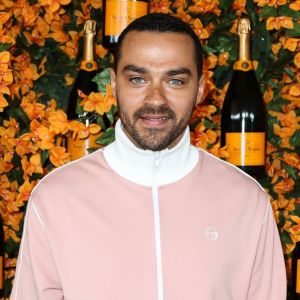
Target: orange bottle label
(119, 13)
(246, 149)
(79, 147)
(298, 277)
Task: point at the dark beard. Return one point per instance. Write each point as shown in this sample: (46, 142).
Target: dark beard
(154, 139)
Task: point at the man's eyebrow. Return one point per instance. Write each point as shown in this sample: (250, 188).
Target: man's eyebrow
(142, 70)
(179, 71)
(135, 69)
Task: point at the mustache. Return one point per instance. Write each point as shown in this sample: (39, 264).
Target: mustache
(164, 110)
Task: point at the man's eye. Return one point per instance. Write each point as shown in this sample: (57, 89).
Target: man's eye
(176, 82)
(137, 80)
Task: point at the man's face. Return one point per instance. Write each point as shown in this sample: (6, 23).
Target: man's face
(157, 87)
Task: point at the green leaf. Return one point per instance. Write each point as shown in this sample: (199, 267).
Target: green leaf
(107, 137)
(101, 122)
(111, 114)
(281, 219)
(288, 12)
(268, 11)
(17, 174)
(295, 32)
(209, 124)
(102, 79)
(290, 73)
(285, 238)
(208, 50)
(4, 47)
(18, 114)
(295, 139)
(274, 106)
(291, 171)
(272, 138)
(44, 156)
(296, 211)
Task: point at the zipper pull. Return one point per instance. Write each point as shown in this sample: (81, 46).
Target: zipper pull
(156, 161)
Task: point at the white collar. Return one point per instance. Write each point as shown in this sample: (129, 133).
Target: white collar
(139, 166)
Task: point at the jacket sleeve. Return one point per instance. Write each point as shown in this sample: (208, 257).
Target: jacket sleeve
(268, 279)
(36, 275)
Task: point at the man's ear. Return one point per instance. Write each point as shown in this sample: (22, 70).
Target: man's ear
(112, 74)
(201, 86)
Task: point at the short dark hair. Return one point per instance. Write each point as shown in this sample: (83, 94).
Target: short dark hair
(159, 22)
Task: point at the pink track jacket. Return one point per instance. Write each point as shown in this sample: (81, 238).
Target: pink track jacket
(129, 224)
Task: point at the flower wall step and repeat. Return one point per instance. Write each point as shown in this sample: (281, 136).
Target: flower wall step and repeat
(40, 49)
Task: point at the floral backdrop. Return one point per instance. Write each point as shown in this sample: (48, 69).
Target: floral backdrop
(40, 49)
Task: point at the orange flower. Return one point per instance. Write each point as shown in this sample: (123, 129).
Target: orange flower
(95, 3)
(42, 135)
(109, 97)
(31, 107)
(289, 119)
(223, 58)
(4, 17)
(205, 6)
(82, 15)
(279, 22)
(95, 102)
(268, 94)
(201, 32)
(270, 2)
(179, 3)
(81, 131)
(290, 44)
(297, 60)
(204, 111)
(3, 102)
(239, 6)
(39, 33)
(284, 186)
(26, 14)
(292, 159)
(283, 132)
(54, 5)
(31, 166)
(295, 5)
(183, 15)
(24, 192)
(58, 121)
(276, 48)
(14, 220)
(59, 156)
(101, 51)
(71, 47)
(58, 33)
(159, 6)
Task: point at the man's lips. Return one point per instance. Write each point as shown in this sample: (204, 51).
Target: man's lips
(155, 117)
(154, 120)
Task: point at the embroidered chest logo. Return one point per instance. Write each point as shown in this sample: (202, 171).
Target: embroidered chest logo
(211, 233)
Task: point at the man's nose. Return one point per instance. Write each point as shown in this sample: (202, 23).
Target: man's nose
(156, 95)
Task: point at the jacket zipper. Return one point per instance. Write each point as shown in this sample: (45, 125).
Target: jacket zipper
(157, 227)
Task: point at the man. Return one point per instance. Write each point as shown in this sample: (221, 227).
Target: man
(150, 216)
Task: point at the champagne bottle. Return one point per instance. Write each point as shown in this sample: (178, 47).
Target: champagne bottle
(295, 280)
(117, 14)
(83, 82)
(243, 119)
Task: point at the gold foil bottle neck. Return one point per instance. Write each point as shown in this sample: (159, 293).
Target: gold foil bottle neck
(88, 60)
(244, 26)
(89, 27)
(244, 33)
